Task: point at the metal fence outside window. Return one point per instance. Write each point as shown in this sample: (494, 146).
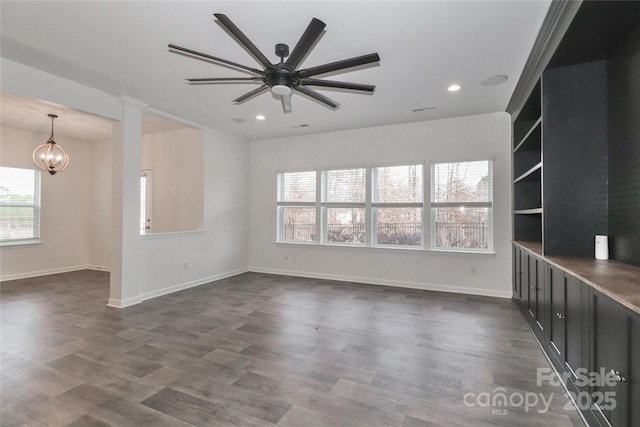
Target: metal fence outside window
(462, 235)
(448, 234)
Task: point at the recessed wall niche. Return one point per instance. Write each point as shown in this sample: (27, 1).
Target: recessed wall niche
(171, 177)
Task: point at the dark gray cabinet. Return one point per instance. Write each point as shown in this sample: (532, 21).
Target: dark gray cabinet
(529, 288)
(568, 334)
(633, 374)
(520, 268)
(535, 302)
(557, 302)
(591, 340)
(616, 353)
(577, 324)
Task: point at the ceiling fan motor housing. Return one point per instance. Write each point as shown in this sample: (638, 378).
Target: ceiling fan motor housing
(282, 50)
(281, 75)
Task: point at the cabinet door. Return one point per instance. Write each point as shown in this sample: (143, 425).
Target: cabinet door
(517, 273)
(521, 279)
(633, 379)
(557, 300)
(541, 309)
(532, 289)
(524, 284)
(610, 346)
(574, 309)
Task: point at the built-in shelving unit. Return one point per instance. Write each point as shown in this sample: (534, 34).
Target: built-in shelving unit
(576, 148)
(527, 169)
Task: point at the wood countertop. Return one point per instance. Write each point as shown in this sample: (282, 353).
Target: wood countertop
(619, 281)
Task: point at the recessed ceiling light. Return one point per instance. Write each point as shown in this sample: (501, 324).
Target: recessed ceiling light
(260, 117)
(454, 88)
(494, 80)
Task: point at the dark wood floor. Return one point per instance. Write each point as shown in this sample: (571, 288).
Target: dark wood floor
(258, 349)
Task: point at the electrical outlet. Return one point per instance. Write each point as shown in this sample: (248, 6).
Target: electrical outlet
(286, 257)
(185, 265)
(472, 269)
(293, 257)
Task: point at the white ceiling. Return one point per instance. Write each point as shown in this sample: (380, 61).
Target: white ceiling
(121, 48)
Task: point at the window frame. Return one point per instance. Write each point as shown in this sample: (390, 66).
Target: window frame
(373, 205)
(428, 232)
(489, 205)
(281, 204)
(324, 205)
(37, 211)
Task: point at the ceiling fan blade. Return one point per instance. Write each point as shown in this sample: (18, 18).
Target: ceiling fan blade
(242, 39)
(339, 65)
(306, 42)
(223, 79)
(317, 96)
(213, 58)
(286, 103)
(339, 85)
(255, 92)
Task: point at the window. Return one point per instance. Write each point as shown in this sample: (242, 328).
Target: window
(344, 193)
(384, 206)
(397, 205)
(462, 205)
(19, 206)
(296, 202)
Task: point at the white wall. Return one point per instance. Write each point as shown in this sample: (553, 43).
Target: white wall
(65, 209)
(221, 250)
(464, 138)
(176, 161)
(100, 217)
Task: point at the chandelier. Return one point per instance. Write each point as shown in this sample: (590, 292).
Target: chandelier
(51, 157)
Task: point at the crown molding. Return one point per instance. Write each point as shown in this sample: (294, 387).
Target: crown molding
(554, 26)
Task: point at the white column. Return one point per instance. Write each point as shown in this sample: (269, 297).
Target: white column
(125, 205)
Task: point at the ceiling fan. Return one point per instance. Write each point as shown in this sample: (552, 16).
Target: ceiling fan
(284, 77)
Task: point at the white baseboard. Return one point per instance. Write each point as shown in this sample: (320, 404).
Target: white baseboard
(116, 303)
(168, 290)
(39, 273)
(393, 283)
(179, 287)
(98, 268)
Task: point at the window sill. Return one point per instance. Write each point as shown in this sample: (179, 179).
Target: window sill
(172, 234)
(416, 249)
(24, 242)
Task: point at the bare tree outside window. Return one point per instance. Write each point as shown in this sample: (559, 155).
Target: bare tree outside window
(462, 204)
(343, 204)
(296, 206)
(397, 205)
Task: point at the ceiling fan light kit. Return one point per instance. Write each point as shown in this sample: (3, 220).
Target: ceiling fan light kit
(283, 78)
